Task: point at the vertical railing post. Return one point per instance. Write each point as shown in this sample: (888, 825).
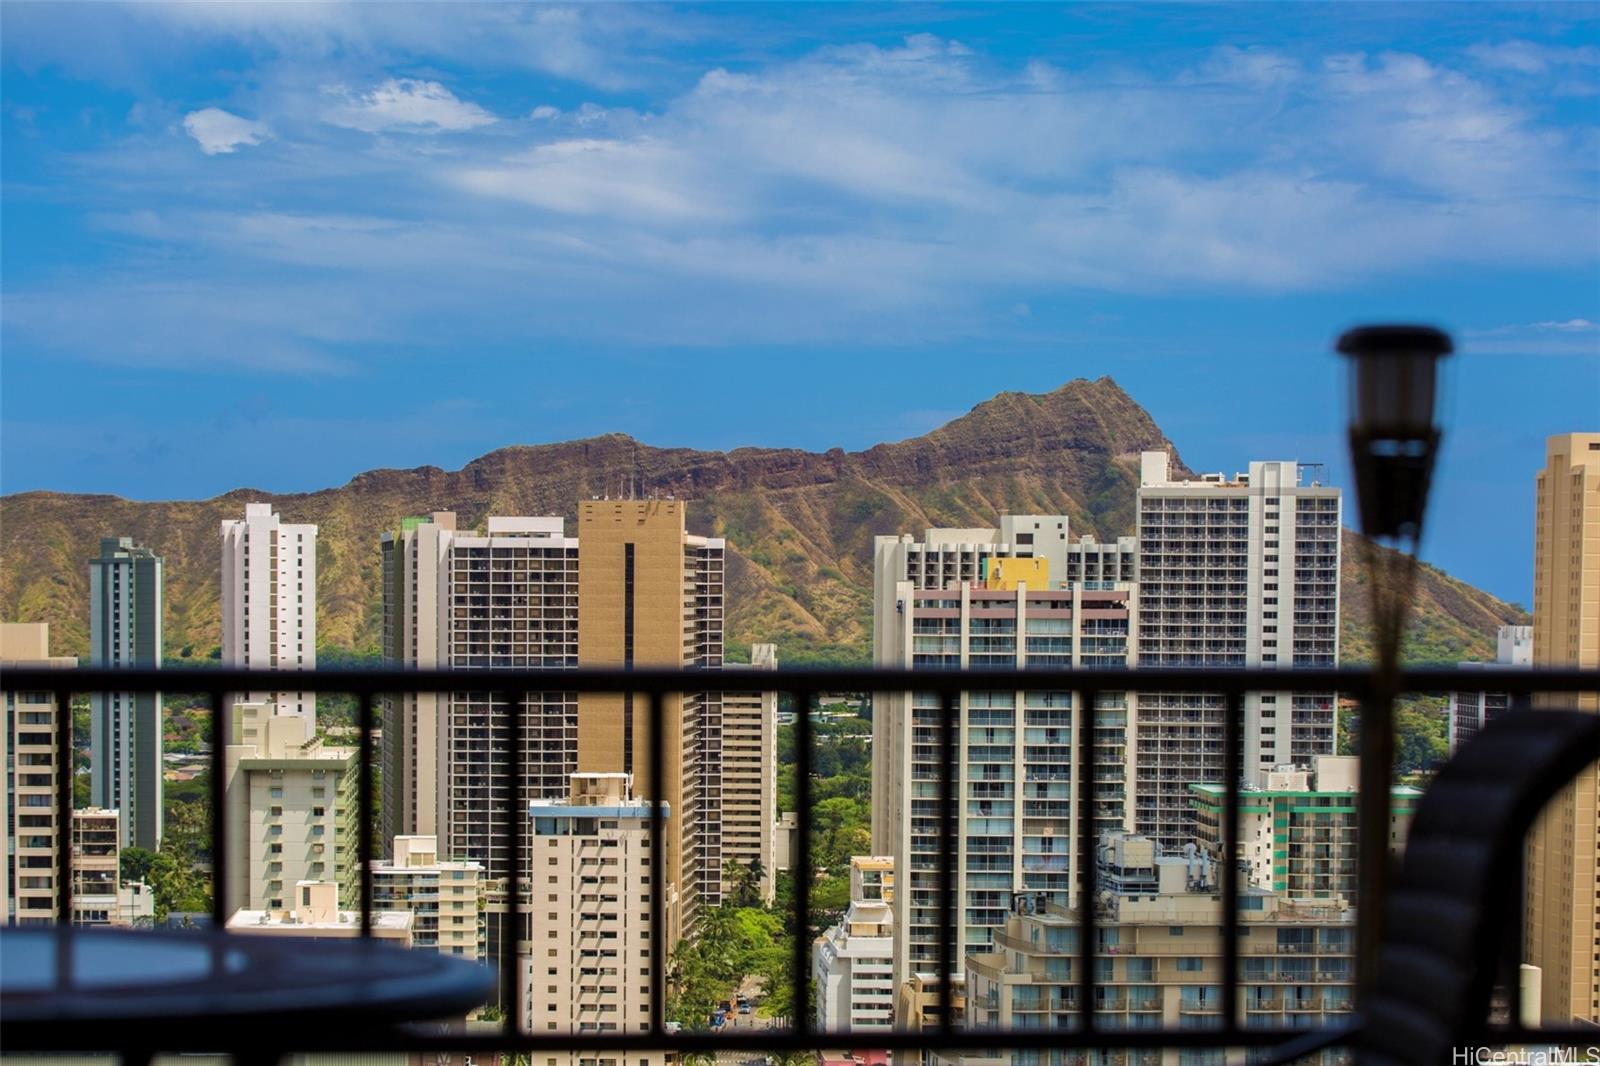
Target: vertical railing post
(66, 778)
(800, 964)
(949, 708)
(517, 815)
(221, 731)
(364, 805)
(1372, 806)
(1084, 701)
(1232, 771)
(658, 871)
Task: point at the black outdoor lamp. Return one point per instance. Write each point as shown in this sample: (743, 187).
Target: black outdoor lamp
(1393, 439)
(1393, 442)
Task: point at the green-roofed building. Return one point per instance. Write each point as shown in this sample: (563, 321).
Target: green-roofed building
(1297, 827)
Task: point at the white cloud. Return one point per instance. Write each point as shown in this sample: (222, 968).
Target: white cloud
(219, 132)
(1527, 57)
(406, 104)
(882, 194)
(1555, 337)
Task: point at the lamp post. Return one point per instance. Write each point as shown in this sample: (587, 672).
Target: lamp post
(1393, 443)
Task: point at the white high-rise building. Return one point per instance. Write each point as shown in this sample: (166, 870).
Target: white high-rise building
(853, 963)
(125, 728)
(1233, 572)
(1471, 711)
(943, 559)
(969, 599)
(269, 602)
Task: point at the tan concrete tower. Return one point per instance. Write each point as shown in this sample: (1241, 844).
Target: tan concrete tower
(1563, 887)
(650, 594)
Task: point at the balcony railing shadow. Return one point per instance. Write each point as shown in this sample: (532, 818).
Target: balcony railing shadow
(1445, 917)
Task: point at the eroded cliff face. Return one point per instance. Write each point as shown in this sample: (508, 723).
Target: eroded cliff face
(799, 524)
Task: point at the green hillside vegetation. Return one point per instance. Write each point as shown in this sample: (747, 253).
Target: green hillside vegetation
(800, 526)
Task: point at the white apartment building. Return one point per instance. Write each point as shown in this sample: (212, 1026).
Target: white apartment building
(586, 961)
(125, 766)
(1159, 958)
(1233, 572)
(291, 809)
(1470, 711)
(269, 601)
(853, 963)
(441, 896)
(314, 913)
(990, 603)
(28, 805)
(750, 775)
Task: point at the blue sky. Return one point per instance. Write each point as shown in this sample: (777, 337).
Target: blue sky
(275, 245)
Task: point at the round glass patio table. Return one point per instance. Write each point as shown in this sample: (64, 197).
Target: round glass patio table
(163, 989)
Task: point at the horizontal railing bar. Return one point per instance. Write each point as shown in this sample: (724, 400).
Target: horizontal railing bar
(201, 1035)
(1351, 680)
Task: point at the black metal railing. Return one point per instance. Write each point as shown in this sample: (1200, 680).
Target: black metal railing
(802, 686)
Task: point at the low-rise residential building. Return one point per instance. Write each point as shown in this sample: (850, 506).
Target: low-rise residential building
(315, 914)
(1159, 956)
(99, 895)
(442, 896)
(291, 809)
(853, 963)
(1470, 711)
(586, 956)
(1298, 827)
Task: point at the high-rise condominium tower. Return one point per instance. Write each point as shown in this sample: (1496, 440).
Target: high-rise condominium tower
(944, 559)
(269, 602)
(634, 588)
(587, 969)
(650, 594)
(125, 729)
(750, 777)
(975, 599)
(1233, 572)
(1563, 886)
(500, 598)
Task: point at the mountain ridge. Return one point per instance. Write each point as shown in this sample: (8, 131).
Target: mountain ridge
(799, 523)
